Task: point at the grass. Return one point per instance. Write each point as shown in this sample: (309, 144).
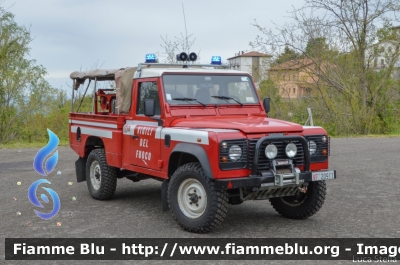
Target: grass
(390, 135)
(378, 136)
(16, 145)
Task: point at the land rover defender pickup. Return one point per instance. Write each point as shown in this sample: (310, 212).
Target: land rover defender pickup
(202, 131)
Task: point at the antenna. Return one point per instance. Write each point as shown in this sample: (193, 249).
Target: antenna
(184, 19)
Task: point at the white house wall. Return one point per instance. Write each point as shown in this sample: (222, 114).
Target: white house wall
(245, 63)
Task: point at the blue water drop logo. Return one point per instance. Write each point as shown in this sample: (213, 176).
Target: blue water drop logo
(44, 152)
(44, 167)
(34, 200)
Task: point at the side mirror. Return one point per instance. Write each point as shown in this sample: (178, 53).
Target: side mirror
(149, 107)
(266, 104)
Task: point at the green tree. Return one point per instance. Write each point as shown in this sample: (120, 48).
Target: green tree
(269, 89)
(338, 37)
(287, 55)
(24, 92)
(387, 32)
(316, 47)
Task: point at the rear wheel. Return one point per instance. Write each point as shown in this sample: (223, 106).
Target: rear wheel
(100, 177)
(304, 205)
(194, 201)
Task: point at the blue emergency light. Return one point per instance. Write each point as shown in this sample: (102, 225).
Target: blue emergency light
(151, 58)
(216, 60)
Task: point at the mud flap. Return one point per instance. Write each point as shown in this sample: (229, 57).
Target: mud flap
(164, 195)
(80, 168)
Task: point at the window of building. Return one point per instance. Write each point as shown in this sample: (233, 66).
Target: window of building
(294, 90)
(376, 62)
(382, 63)
(148, 90)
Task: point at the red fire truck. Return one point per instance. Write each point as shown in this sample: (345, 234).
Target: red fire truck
(203, 132)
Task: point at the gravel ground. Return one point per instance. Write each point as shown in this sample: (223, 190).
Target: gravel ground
(363, 201)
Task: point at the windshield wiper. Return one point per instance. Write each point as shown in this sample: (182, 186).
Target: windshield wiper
(190, 99)
(228, 98)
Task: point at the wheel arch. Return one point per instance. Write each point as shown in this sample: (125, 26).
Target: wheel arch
(185, 153)
(95, 142)
(91, 143)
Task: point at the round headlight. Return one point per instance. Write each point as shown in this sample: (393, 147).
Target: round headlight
(324, 138)
(271, 151)
(224, 145)
(235, 152)
(291, 150)
(312, 146)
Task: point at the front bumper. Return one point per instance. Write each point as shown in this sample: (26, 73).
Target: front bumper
(268, 179)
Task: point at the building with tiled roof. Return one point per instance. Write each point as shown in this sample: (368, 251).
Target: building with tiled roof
(295, 78)
(255, 63)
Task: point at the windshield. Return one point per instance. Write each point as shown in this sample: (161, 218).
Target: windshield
(209, 89)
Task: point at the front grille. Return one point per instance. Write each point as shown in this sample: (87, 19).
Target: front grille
(224, 152)
(318, 156)
(248, 147)
(264, 163)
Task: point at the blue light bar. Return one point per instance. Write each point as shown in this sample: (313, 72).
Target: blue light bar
(151, 58)
(216, 60)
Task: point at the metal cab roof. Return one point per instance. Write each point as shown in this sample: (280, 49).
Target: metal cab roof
(156, 72)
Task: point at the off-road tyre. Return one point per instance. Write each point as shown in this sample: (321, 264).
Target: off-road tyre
(100, 177)
(303, 205)
(210, 213)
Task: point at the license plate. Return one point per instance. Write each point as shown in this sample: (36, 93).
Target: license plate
(323, 175)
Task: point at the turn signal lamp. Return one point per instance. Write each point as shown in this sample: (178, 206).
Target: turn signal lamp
(151, 58)
(324, 152)
(216, 60)
(224, 144)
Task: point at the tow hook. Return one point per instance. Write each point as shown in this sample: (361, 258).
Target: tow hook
(303, 189)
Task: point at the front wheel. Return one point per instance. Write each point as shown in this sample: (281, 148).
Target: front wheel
(304, 205)
(100, 177)
(194, 201)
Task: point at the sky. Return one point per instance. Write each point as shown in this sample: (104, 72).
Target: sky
(73, 35)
